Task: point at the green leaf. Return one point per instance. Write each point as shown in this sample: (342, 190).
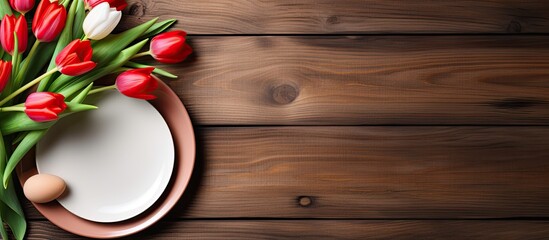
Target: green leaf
(158, 28)
(10, 207)
(65, 3)
(84, 80)
(3, 155)
(14, 220)
(82, 95)
(3, 231)
(5, 8)
(103, 53)
(18, 138)
(28, 142)
(73, 107)
(9, 196)
(156, 70)
(13, 122)
(77, 30)
(45, 52)
(64, 39)
(108, 48)
(23, 69)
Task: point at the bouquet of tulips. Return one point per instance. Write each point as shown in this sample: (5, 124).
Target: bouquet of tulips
(50, 79)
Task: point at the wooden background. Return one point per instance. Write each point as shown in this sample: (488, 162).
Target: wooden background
(360, 119)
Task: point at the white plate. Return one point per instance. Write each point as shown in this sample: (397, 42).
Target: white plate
(116, 160)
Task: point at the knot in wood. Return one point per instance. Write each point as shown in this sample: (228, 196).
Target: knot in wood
(137, 9)
(514, 27)
(284, 94)
(305, 201)
(332, 20)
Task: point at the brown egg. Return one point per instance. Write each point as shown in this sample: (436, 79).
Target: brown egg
(43, 188)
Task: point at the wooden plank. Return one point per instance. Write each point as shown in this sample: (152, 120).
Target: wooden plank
(369, 172)
(366, 80)
(332, 229)
(346, 16)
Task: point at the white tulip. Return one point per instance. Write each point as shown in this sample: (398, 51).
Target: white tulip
(101, 20)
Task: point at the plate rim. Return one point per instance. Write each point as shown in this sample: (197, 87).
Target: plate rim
(174, 112)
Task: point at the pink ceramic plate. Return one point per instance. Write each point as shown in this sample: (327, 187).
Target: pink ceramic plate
(175, 114)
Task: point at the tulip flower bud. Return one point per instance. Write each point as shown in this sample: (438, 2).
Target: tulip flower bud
(101, 20)
(22, 6)
(138, 83)
(75, 58)
(44, 106)
(49, 20)
(12, 24)
(118, 4)
(170, 47)
(5, 73)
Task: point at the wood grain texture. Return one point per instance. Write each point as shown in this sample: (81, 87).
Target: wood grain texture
(345, 16)
(369, 172)
(366, 80)
(332, 229)
(398, 68)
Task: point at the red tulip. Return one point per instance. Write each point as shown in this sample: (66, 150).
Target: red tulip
(44, 106)
(75, 58)
(118, 4)
(49, 20)
(170, 47)
(137, 83)
(5, 73)
(22, 6)
(12, 24)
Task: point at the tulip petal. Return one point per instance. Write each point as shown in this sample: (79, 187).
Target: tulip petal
(70, 48)
(9, 25)
(138, 83)
(85, 51)
(103, 29)
(97, 16)
(78, 68)
(22, 6)
(68, 60)
(39, 100)
(5, 73)
(22, 34)
(44, 106)
(49, 20)
(176, 58)
(75, 58)
(6, 30)
(42, 6)
(170, 47)
(41, 115)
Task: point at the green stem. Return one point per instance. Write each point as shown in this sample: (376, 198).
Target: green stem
(25, 67)
(65, 3)
(156, 70)
(141, 54)
(27, 86)
(12, 109)
(101, 89)
(15, 57)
